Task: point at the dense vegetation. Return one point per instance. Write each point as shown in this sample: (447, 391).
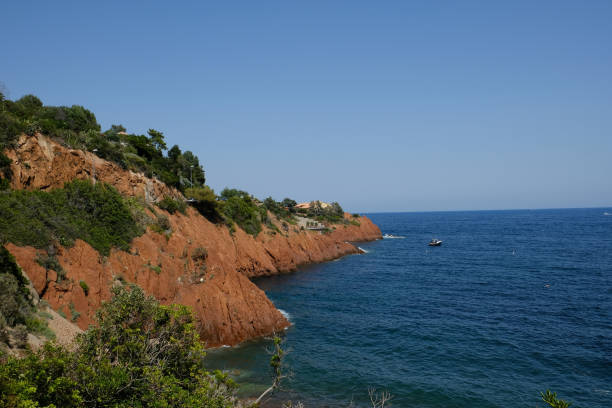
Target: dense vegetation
(18, 315)
(77, 127)
(97, 214)
(282, 209)
(240, 207)
(332, 213)
(140, 354)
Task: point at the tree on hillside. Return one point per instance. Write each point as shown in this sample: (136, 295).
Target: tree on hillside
(289, 203)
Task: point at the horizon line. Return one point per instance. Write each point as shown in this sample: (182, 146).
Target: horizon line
(479, 210)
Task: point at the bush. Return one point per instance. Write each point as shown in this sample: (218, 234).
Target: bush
(205, 201)
(283, 210)
(172, 205)
(74, 315)
(15, 305)
(39, 326)
(162, 224)
(50, 262)
(15, 300)
(5, 170)
(199, 254)
(241, 210)
(97, 214)
(85, 287)
(140, 354)
(20, 336)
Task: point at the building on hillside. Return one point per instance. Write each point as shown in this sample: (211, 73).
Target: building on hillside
(308, 205)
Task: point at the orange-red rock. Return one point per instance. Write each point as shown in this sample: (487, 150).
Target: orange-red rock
(228, 305)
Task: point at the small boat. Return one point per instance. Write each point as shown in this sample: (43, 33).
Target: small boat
(435, 242)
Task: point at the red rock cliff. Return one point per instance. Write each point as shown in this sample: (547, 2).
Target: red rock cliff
(229, 306)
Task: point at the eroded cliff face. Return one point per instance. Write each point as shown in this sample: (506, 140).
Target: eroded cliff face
(228, 305)
(39, 163)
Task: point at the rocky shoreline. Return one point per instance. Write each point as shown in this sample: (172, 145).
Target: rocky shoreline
(229, 307)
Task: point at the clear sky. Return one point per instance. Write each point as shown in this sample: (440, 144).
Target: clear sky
(380, 105)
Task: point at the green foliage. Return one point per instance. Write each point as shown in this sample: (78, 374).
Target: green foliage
(85, 287)
(140, 354)
(40, 379)
(39, 325)
(551, 399)
(332, 213)
(15, 305)
(77, 127)
(205, 201)
(155, 268)
(74, 315)
(283, 210)
(5, 171)
(96, 214)
(15, 300)
(171, 205)
(50, 262)
(239, 207)
(162, 224)
(28, 115)
(289, 204)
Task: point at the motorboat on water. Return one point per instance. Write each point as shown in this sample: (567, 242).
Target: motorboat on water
(435, 242)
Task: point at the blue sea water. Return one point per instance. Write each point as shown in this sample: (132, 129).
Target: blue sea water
(511, 304)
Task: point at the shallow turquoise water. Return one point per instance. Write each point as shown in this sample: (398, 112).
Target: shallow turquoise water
(513, 303)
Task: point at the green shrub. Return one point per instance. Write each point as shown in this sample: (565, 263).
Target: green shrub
(85, 287)
(74, 315)
(39, 326)
(155, 268)
(162, 224)
(551, 399)
(172, 205)
(239, 207)
(283, 210)
(15, 300)
(96, 214)
(205, 201)
(50, 262)
(5, 170)
(15, 304)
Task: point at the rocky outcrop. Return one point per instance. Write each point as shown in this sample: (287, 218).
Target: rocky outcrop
(172, 267)
(40, 163)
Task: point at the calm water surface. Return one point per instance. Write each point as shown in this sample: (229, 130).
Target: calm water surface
(512, 303)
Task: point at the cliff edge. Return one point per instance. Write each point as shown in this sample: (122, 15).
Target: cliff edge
(229, 306)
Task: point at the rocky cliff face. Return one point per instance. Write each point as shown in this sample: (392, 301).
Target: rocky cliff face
(42, 164)
(229, 306)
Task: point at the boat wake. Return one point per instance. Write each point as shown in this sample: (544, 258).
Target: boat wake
(607, 213)
(391, 236)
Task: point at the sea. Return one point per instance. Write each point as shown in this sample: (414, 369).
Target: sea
(511, 304)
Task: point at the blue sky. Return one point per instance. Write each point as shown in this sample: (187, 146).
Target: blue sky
(382, 106)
